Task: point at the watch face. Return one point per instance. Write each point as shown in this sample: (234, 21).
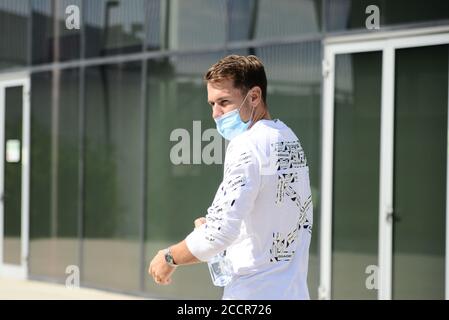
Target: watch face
(168, 258)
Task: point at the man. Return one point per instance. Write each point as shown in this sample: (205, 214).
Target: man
(262, 212)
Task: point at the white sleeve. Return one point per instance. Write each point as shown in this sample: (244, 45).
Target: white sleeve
(233, 201)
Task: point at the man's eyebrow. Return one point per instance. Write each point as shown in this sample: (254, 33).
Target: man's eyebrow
(220, 99)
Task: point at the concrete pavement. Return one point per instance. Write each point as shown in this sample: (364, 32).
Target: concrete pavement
(13, 289)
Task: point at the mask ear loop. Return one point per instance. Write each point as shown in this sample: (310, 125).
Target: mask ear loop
(252, 110)
(241, 105)
(251, 116)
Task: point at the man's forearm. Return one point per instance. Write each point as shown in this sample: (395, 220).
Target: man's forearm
(182, 255)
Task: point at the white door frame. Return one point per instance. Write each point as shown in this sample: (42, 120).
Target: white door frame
(20, 271)
(387, 43)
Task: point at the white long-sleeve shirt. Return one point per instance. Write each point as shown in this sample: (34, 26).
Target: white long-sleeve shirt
(262, 215)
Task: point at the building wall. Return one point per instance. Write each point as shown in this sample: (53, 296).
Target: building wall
(104, 194)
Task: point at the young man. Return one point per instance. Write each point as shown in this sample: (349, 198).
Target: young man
(262, 212)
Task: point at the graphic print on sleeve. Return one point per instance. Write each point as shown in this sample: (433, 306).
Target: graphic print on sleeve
(232, 189)
(290, 160)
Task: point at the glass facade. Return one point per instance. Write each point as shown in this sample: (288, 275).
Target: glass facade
(105, 193)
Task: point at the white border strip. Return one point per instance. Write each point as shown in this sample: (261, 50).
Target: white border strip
(25, 174)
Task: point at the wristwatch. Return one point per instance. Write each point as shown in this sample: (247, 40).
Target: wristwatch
(169, 258)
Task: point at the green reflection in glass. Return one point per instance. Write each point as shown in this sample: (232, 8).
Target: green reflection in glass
(420, 172)
(113, 176)
(54, 181)
(356, 173)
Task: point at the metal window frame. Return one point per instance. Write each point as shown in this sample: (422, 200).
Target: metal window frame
(144, 123)
(447, 201)
(81, 145)
(387, 43)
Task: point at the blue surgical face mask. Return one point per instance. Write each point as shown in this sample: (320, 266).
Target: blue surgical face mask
(230, 125)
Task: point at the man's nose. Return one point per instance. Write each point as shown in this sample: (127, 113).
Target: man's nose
(216, 112)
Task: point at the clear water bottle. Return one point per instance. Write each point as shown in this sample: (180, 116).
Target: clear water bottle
(220, 269)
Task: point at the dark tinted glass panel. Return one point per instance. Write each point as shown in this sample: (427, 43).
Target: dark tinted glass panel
(68, 159)
(40, 157)
(13, 33)
(40, 174)
(113, 26)
(54, 34)
(420, 172)
(351, 14)
(12, 194)
(42, 31)
(358, 79)
(113, 176)
(68, 37)
(156, 24)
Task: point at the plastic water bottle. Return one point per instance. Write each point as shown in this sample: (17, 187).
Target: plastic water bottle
(220, 269)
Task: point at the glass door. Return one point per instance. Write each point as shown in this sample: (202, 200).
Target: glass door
(14, 128)
(385, 168)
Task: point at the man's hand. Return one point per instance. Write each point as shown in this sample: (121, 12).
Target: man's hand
(160, 270)
(199, 221)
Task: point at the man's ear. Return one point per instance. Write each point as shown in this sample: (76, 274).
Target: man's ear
(256, 95)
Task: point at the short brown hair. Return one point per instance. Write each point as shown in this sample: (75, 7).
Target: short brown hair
(245, 71)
